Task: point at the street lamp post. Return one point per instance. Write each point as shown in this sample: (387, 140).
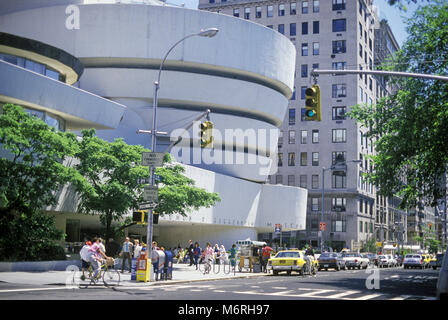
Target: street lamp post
(209, 33)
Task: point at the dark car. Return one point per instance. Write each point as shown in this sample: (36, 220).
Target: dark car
(331, 260)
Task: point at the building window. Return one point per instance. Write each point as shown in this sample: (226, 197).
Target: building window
(279, 179)
(315, 136)
(315, 48)
(315, 27)
(341, 65)
(293, 8)
(360, 50)
(292, 137)
(338, 113)
(247, 13)
(315, 181)
(302, 93)
(293, 97)
(304, 27)
(338, 204)
(339, 91)
(257, 12)
(303, 158)
(315, 204)
(280, 159)
(291, 159)
(280, 139)
(339, 135)
(270, 11)
(316, 6)
(339, 180)
(236, 12)
(315, 159)
(292, 117)
(292, 29)
(303, 136)
(291, 180)
(303, 181)
(304, 49)
(338, 157)
(338, 5)
(304, 7)
(338, 226)
(304, 70)
(339, 25)
(339, 46)
(360, 226)
(281, 28)
(281, 10)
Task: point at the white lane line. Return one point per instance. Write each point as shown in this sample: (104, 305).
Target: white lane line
(312, 294)
(34, 289)
(368, 297)
(343, 294)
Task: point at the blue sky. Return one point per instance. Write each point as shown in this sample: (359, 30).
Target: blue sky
(392, 14)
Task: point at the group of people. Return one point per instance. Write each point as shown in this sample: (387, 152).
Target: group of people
(195, 254)
(94, 253)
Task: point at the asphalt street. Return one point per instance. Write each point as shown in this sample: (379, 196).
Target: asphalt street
(369, 284)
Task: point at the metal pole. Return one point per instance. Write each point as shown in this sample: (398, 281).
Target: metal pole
(322, 212)
(382, 73)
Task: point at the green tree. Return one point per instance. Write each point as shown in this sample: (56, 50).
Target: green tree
(114, 171)
(31, 171)
(409, 128)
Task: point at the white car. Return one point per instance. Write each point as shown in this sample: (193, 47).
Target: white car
(355, 260)
(384, 261)
(413, 261)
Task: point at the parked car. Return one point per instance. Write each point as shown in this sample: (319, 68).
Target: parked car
(355, 260)
(373, 258)
(436, 262)
(442, 282)
(384, 261)
(331, 260)
(392, 261)
(413, 261)
(292, 260)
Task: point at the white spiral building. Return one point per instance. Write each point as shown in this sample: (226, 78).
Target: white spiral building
(244, 75)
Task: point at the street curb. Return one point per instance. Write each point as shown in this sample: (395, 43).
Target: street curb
(38, 266)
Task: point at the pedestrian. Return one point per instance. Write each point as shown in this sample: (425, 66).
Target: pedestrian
(126, 252)
(190, 249)
(216, 253)
(137, 249)
(223, 255)
(101, 244)
(208, 253)
(95, 256)
(84, 254)
(265, 255)
(233, 253)
(197, 254)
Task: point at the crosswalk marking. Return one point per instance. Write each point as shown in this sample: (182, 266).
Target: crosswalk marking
(342, 294)
(368, 297)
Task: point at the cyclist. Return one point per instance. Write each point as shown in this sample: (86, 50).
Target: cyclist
(95, 255)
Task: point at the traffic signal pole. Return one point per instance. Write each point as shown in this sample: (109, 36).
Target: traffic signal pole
(316, 72)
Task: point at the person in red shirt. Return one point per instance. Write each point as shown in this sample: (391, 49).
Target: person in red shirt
(266, 254)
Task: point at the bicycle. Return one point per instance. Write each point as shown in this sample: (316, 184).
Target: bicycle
(109, 275)
(205, 267)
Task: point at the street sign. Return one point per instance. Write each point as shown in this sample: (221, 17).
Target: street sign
(150, 193)
(146, 206)
(152, 159)
(322, 226)
(278, 228)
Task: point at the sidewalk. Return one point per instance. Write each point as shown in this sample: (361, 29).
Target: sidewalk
(181, 273)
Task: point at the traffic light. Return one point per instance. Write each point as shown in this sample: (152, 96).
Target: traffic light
(206, 134)
(312, 103)
(138, 216)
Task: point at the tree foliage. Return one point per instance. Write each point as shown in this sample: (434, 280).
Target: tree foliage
(410, 127)
(31, 171)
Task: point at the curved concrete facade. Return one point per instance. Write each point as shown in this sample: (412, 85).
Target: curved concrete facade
(234, 80)
(244, 75)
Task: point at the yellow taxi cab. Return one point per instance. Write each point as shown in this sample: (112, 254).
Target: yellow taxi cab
(292, 260)
(426, 260)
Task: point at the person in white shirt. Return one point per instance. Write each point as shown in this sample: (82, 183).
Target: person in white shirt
(137, 249)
